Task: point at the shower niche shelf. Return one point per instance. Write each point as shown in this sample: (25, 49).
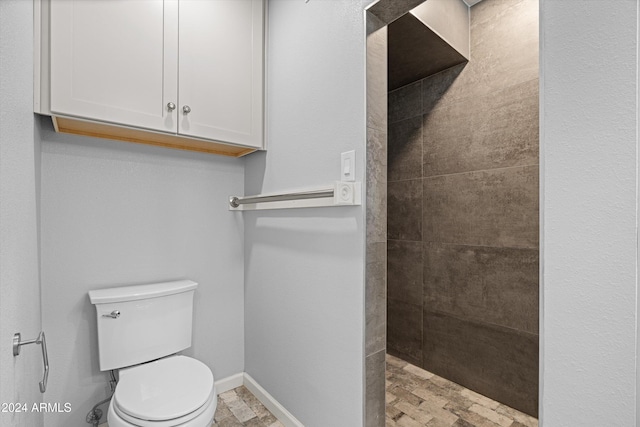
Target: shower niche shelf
(428, 39)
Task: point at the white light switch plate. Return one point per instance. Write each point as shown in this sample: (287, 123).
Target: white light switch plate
(348, 166)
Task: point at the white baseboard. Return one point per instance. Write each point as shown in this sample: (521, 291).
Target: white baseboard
(229, 383)
(279, 411)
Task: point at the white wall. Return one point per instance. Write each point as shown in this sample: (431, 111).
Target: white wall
(589, 142)
(304, 281)
(115, 213)
(19, 277)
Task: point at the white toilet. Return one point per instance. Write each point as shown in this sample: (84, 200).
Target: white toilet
(140, 330)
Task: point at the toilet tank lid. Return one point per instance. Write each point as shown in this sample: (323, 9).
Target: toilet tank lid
(137, 292)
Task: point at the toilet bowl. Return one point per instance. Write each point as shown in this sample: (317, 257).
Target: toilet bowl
(173, 391)
(140, 331)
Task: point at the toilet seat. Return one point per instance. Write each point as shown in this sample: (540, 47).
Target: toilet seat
(202, 417)
(174, 391)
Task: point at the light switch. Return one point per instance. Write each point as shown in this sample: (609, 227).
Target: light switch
(348, 166)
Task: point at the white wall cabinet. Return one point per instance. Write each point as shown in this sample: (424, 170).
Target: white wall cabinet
(180, 73)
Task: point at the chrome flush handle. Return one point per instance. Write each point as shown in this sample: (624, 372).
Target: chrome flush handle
(114, 314)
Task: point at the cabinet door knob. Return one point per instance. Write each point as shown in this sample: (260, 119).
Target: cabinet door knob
(171, 106)
(186, 109)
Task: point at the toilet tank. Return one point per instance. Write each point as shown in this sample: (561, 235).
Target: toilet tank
(141, 323)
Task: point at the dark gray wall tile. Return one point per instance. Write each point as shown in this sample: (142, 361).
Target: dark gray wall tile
(493, 10)
(377, 79)
(492, 285)
(375, 387)
(404, 330)
(405, 102)
(405, 149)
(494, 131)
(404, 210)
(376, 297)
(447, 133)
(506, 130)
(444, 88)
(479, 212)
(490, 208)
(376, 188)
(404, 266)
(504, 52)
(456, 84)
(504, 47)
(497, 362)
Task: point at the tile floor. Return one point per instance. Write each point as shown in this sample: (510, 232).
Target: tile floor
(418, 398)
(415, 398)
(240, 408)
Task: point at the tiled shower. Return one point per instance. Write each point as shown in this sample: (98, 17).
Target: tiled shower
(463, 214)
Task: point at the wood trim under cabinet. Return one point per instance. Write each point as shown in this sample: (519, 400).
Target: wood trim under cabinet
(139, 136)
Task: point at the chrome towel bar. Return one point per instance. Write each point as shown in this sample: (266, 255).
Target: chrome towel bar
(42, 341)
(317, 194)
(340, 193)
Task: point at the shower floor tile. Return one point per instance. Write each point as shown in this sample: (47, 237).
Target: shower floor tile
(418, 398)
(238, 407)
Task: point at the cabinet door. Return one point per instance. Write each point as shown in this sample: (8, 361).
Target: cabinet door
(115, 61)
(221, 70)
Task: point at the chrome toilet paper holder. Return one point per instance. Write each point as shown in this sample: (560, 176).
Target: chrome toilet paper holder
(42, 341)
